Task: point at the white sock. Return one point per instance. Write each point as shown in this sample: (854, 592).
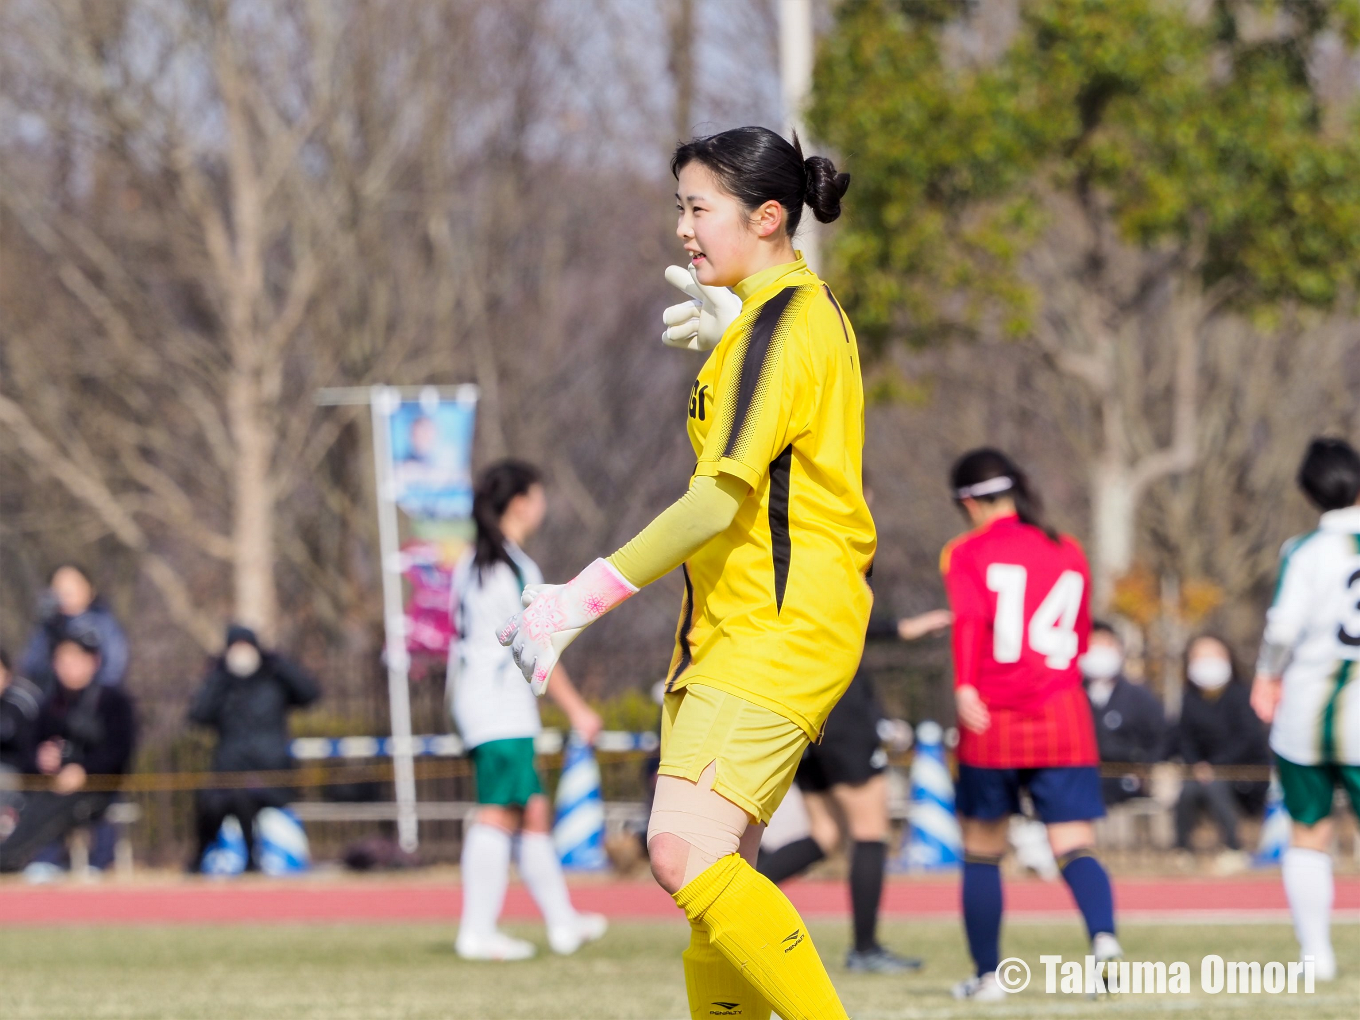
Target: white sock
(1309, 888)
(542, 873)
(486, 872)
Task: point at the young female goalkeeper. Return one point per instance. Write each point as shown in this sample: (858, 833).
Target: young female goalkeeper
(774, 538)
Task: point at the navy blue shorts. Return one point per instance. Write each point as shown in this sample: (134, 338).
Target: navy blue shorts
(1061, 793)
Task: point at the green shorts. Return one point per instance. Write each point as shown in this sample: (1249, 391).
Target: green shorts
(505, 772)
(1308, 789)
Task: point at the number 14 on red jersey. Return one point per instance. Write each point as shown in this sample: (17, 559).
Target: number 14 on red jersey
(1052, 628)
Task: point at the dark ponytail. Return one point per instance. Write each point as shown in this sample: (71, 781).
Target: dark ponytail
(755, 166)
(496, 487)
(987, 475)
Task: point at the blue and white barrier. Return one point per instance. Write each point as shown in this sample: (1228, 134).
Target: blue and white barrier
(450, 745)
(226, 854)
(933, 840)
(1276, 829)
(281, 844)
(578, 833)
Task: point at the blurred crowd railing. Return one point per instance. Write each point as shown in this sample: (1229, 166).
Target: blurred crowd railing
(348, 779)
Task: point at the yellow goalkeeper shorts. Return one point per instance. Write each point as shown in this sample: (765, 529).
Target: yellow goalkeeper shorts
(757, 751)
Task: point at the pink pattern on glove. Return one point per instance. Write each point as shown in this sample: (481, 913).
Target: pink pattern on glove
(598, 589)
(545, 616)
(539, 632)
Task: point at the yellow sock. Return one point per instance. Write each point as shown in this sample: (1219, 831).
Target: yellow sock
(715, 987)
(756, 928)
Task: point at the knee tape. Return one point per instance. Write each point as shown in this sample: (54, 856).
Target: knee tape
(1074, 853)
(710, 823)
(992, 859)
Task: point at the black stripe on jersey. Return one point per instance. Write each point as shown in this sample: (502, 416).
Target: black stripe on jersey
(757, 352)
(836, 305)
(682, 635)
(780, 543)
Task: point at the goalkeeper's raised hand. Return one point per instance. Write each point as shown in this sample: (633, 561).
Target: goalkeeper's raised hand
(554, 614)
(697, 324)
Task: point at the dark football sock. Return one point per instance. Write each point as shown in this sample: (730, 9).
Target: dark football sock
(789, 860)
(1090, 885)
(982, 905)
(866, 890)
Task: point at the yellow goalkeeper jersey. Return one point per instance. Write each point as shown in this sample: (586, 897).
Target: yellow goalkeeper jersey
(776, 607)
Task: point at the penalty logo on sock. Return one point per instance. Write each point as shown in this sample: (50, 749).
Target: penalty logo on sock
(792, 942)
(728, 1009)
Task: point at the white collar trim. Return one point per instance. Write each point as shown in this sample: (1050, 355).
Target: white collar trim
(1346, 519)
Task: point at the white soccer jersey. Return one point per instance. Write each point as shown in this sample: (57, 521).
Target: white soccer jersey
(490, 698)
(1315, 620)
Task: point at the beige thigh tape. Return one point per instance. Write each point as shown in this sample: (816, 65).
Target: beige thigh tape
(710, 823)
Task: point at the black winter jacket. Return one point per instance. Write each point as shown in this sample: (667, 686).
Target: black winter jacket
(97, 724)
(250, 714)
(1222, 730)
(1130, 727)
(19, 704)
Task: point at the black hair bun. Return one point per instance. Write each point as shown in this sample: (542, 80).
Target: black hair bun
(825, 188)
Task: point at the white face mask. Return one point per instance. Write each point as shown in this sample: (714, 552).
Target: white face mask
(242, 659)
(1101, 662)
(1209, 672)
(1100, 692)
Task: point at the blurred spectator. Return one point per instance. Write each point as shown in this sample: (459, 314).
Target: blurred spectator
(1217, 731)
(1130, 726)
(246, 698)
(19, 703)
(71, 598)
(83, 729)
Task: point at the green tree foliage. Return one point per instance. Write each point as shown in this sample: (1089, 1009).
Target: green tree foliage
(1198, 139)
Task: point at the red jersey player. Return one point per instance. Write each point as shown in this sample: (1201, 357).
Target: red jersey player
(1019, 592)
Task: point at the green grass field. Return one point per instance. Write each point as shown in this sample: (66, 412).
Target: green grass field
(409, 972)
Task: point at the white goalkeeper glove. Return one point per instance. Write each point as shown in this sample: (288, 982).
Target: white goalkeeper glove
(697, 324)
(554, 614)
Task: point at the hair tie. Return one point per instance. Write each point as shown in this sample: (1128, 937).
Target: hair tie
(990, 487)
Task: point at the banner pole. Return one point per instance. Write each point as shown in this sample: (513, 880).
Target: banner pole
(383, 401)
(797, 50)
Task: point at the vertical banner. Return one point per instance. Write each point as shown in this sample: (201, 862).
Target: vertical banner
(432, 487)
(423, 452)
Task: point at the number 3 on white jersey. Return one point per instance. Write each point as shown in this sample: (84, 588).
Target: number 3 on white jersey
(1051, 628)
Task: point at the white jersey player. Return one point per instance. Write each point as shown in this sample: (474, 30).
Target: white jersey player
(497, 715)
(488, 697)
(1308, 686)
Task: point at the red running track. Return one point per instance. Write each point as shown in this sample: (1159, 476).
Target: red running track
(253, 901)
